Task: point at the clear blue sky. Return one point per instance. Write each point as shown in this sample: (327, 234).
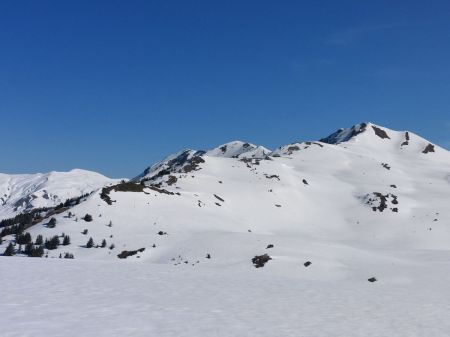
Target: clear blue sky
(114, 86)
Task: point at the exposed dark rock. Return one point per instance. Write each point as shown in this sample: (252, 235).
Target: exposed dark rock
(372, 279)
(260, 260)
(172, 180)
(127, 253)
(121, 187)
(305, 182)
(162, 233)
(307, 263)
(428, 148)
(193, 164)
(406, 142)
(269, 246)
(293, 148)
(382, 201)
(219, 198)
(380, 133)
(272, 176)
(386, 166)
(160, 190)
(336, 137)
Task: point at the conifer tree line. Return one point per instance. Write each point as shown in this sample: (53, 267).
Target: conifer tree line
(36, 249)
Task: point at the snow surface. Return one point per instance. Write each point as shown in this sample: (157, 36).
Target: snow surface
(367, 206)
(71, 298)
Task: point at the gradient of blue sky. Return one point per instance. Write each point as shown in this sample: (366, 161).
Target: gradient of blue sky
(113, 86)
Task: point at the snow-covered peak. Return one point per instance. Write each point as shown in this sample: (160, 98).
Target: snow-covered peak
(23, 192)
(238, 149)
(374, 138)
(173, 163)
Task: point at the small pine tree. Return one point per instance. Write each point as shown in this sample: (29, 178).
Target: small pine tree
(52, 223)
(112, 246)
(103, 243)
(90, 243)
(84, 232)
(68, 256)
(9, 251)
(66, 240)
(39, 240)
(28, 249)
(110, 224)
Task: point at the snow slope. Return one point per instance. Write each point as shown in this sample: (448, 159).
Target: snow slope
(23, 192)
(368, 191)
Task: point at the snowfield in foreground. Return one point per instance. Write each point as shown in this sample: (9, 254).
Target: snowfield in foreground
(53, 298)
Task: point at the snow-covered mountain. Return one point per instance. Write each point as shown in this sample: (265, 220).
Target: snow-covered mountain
(361, 188)
(350, 236)
(23, 192)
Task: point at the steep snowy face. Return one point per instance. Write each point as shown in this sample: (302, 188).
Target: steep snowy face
(238, 149)
(181, 162)
(344, 135)
(23, 192)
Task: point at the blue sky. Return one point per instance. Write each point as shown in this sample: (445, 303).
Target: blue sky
(114, 86)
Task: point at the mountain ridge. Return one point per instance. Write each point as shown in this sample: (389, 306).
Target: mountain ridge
(365, 193)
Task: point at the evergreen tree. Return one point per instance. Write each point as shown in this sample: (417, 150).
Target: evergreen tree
(37, 252)
(103, 243)
(9, 251)
(87, 218)
(51, 223)
(23, 239)
(66, 240)
(39, 240)
(84, 232)
(28, 249)
(112, 246)
(53, 243)
(90, 243)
